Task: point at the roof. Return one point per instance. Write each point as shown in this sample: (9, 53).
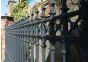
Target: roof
(7, 17)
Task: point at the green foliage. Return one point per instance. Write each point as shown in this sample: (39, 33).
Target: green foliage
(20, 10)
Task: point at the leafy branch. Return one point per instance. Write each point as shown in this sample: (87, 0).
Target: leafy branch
(20, 10)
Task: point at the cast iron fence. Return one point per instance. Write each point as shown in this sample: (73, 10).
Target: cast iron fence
(23, 35)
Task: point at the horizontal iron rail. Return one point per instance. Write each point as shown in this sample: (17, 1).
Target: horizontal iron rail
(58, 38)
(28, 23)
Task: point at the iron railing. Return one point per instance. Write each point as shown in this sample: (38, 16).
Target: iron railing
(22, 36)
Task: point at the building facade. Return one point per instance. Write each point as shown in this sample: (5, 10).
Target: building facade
(5, 21)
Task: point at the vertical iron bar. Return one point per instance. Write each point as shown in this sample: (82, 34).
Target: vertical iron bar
(24, 52)
(43, 45)
(37, 47)
(20, 52)
(32, 44)
(32, 52)
(27, 43)
(32, 41)
(52, 32)
(43, 34)
(64, 31)
(37, 51)
(19, 45)
(36, 39)
(22, 45)
(27, 51)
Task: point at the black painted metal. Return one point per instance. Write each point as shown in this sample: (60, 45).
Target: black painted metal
(25, 28)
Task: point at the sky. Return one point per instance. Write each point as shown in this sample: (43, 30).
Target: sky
(32, 2)
(4, 7)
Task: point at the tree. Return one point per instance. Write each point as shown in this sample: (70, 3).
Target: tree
(20, 10)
